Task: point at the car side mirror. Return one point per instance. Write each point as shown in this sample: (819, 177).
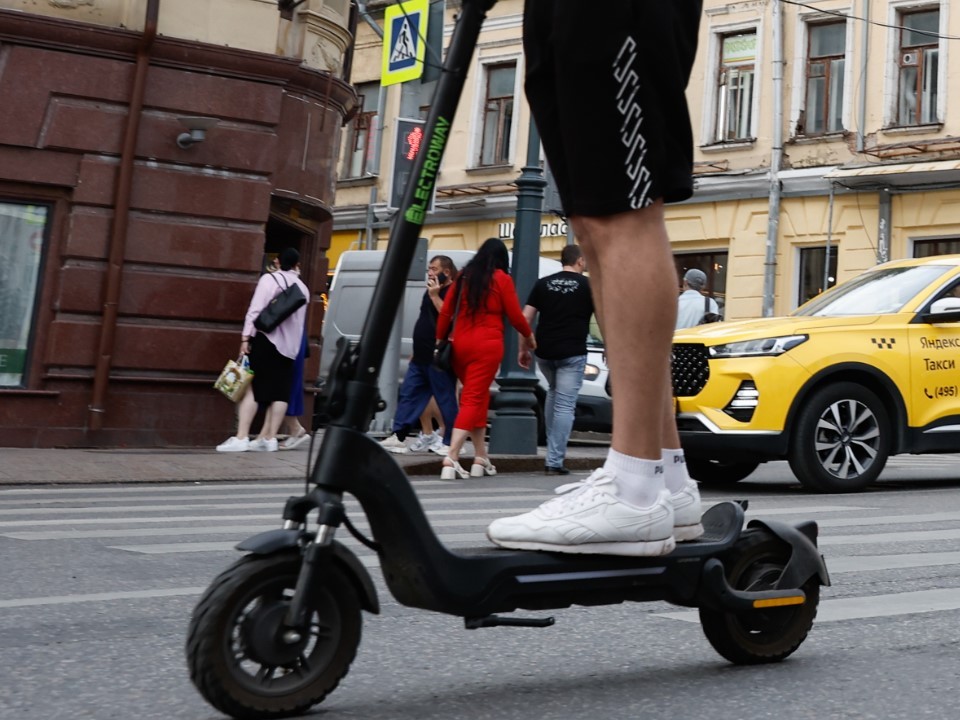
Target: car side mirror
(946, 309)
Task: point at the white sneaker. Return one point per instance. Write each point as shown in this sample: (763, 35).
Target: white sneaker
(234, 444)
(440, 448)
(263, 445)
(423, 443)
(395, 445)
(590, 518)
(295, 441)
(686, 513)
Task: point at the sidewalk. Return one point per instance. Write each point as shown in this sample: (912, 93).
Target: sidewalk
(61, 466)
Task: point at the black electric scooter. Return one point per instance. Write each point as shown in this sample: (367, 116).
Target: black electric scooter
(275, 633)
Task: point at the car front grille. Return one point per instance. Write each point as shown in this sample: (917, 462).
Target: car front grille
(690, 369)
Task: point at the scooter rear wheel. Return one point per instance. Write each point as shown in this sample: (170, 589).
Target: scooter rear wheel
(235, 652)
(756, 562)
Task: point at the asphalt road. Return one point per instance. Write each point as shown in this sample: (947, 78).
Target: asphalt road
(97, 585)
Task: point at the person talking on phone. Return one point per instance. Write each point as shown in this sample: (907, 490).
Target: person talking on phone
(423, 380)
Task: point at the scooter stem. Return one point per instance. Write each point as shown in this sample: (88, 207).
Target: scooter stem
(388, 293)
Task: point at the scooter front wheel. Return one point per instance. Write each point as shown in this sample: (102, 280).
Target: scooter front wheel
(237, 652)
(756, 562)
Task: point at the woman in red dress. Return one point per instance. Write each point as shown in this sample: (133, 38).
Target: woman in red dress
(486, 294)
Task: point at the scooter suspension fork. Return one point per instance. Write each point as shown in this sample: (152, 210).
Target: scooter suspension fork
(330, 517)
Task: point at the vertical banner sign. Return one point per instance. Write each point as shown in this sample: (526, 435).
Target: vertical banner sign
(404, 41)
(407, 145)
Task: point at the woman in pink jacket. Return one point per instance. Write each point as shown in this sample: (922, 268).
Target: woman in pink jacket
(272, 355)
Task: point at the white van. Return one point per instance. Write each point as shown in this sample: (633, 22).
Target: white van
(351, 291)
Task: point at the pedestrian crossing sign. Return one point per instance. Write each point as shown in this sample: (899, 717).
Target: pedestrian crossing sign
(404, 41)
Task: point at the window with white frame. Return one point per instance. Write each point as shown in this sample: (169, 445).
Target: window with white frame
(498, 107)
(358, 160)
(826, 52)
(736, 86)
(918, 65)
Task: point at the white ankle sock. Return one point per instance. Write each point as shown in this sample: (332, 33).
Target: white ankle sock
(675, 473)
(639, 481)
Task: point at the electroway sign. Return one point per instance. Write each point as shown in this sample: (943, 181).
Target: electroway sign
(404, 41)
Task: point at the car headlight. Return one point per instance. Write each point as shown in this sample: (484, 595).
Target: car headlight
(754, 348)
(591, 372)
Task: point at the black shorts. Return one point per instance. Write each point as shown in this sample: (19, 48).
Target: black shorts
(606, 81)
(272, 372)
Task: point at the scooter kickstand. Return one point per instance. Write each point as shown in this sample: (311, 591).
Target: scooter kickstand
(475, 623)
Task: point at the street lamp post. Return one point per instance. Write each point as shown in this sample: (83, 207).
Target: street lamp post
(514, 427)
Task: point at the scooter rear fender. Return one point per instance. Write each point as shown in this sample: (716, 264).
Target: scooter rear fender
(274, 541)
(805, 560)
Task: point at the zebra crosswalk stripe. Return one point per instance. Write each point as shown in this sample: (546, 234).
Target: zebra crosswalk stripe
(208, 519)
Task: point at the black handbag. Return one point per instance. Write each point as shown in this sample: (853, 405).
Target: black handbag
(443, 353)
(284, 304)
(709, 317)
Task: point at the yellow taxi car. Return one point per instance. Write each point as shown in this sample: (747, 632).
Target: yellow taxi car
(863, 371)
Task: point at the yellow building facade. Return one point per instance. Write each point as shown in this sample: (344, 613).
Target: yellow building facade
(827, 139)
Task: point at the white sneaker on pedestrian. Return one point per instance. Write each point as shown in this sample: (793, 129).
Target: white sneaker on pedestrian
(437, 445)
(295, 441)
(264, 445)
(686, 513)
(234, 444)
(395, 445)
(589, 518)
(423, 443)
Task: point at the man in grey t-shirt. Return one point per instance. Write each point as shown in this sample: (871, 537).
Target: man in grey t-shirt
(693, 304)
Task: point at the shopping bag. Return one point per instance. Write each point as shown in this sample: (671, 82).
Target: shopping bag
(235, 378)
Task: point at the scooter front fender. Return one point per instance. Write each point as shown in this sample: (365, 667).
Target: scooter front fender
(805, 560)
(274, 541)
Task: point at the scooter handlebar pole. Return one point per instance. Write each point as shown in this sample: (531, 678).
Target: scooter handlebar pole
(388, 294)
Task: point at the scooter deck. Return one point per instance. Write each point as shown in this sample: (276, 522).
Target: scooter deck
(476, 581)
(722, 524)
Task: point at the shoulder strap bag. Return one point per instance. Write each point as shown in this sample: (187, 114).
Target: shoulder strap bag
(284, 304)
(443, 353)
(709, 317)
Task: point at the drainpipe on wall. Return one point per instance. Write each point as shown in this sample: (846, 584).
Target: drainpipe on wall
(368, 242)
(862, 101)
(121, 217)
(776, 159)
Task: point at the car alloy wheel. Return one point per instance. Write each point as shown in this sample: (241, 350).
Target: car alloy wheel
(841, 440)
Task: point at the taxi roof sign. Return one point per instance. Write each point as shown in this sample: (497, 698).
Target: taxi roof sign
(404, 41)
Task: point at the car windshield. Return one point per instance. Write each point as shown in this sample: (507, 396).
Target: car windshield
(880, 292)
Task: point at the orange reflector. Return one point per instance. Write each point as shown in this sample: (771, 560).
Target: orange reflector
(779, 602)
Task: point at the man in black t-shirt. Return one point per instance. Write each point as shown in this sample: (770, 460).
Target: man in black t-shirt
(423, 381)
(565, 306)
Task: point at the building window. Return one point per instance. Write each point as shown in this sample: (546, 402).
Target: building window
(735, 87)
(714, 265)
(22, 231)
(498, 114)
(358, 156)
(826, 50)
(943, 246)
(816, 272)
(919, 67)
